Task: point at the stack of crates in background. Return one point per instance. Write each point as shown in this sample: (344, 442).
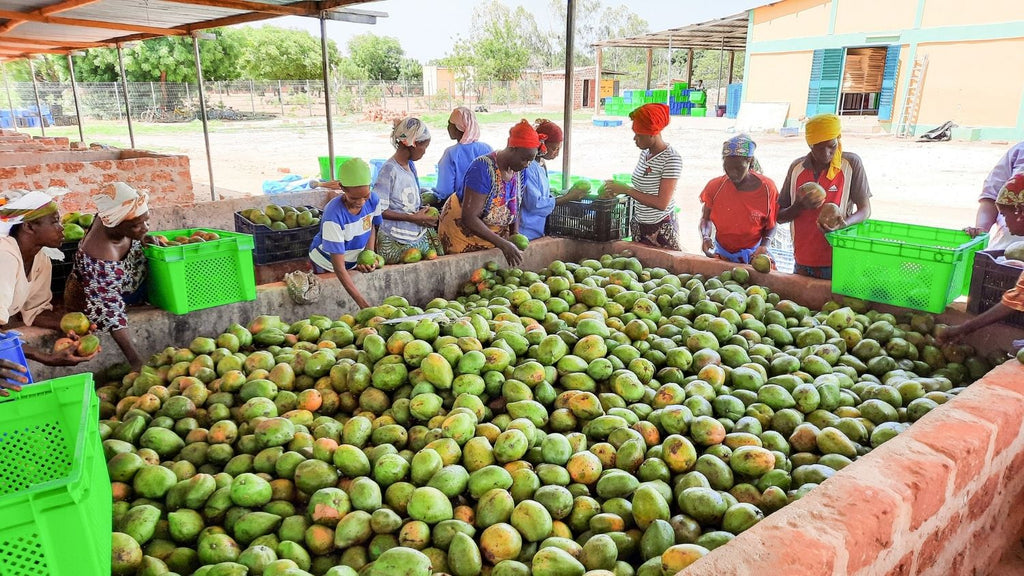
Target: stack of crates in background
(698, 100)
(733, 99)
(679, 99)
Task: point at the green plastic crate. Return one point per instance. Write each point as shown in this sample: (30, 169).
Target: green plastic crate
(325, 165)
(699, 112)
(55, 496)
(905, 265)
(197, 276)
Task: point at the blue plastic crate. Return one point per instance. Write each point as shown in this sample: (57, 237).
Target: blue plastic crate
(10, 349)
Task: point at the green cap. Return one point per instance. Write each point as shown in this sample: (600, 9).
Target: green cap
(354, 172)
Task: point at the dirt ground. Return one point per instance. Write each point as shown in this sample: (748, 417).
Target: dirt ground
(922, 183)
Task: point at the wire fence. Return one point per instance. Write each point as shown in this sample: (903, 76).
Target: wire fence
(167, 102)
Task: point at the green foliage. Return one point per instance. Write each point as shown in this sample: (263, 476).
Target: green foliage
(500, 48)
(410, 70)
(271, 53)
(380, 56)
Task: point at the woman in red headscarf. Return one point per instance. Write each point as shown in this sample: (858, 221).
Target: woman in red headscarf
(538, 202)
(654, 180)
(487, 214)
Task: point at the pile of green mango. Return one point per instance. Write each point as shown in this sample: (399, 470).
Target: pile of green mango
(76, 225)
(283, 217)
(595, 417)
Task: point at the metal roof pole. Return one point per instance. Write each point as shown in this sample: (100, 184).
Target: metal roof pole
(718, 89)
(598, 58)
(74, 92)
(35, 89)
(10, 101)
(325, 57)
(202, 112)
(689, 67)
(650, 56)
(669, 63)
(124, 86)
(570, 81)
(732, 64)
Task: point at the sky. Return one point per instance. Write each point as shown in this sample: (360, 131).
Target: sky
(427, 34)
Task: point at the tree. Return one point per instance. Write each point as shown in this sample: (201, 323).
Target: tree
(410, 70)
(271, 53)
(380, 56)
(501, 47)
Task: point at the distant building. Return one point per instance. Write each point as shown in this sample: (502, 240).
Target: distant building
(863, 57)
(584, 88)
(438, 79)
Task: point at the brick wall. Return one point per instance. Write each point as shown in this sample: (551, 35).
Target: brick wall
(166, 177)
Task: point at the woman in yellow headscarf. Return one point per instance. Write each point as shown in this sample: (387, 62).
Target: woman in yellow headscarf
(841, 175)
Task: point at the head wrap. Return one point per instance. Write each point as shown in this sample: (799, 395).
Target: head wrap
(743, 147)
(551, 130)
(118, 202)
(650, 119)
(1012, 193)
(354, 172)
(17, 206)
(822, 128)
(522, 135)
(465, 121)
(408, 132)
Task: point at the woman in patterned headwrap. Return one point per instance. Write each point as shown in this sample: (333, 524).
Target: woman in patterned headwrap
(487, 214)
(110, 265)
(740, 207)
(654, 180)
(451, 170)
(1010, 203)
(842, 176)
(30, 233)
(406, 223)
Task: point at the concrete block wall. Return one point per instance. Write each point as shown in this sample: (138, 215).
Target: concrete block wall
(166, 177)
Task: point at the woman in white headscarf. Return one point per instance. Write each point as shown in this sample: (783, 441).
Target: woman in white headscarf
(110, 265)
(406, 223)
(30, 233)
(451, 170)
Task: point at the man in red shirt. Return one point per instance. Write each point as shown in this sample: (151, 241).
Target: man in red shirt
(842, 176)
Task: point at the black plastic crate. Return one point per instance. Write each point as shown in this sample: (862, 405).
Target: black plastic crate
(592, 219)
(276, 245)
(62, 269)
(989, 281)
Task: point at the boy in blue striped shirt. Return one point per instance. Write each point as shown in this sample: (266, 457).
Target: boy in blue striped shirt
(348, 227)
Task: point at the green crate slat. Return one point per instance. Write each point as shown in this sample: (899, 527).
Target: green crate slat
(918, 267)
(325, 165)
(192, 277)
(55, 495)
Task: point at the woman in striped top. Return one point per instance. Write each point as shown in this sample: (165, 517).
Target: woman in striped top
(654, 180)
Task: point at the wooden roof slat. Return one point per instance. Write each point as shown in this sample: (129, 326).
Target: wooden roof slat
(32, 17)
(6, 40)
(731, 29)
(275, 9)
(46, 11)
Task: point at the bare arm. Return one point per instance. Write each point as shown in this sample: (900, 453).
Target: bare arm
(420, 217)
(706, 232)
(338, 261)
(666, 189)
(472, 207)
(990, 316)
(987, 215)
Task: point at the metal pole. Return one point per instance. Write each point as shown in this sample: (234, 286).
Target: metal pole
(718, 89)
(10, 101)
(124, 85)
(327, 92)
(280, 98)
(650, 57)
(35, 88)
(74, 92)
(202, 111)
(689, 67)
(570, 42)
(597, 79)
(732, 64)
(669, 59)
(252, 96)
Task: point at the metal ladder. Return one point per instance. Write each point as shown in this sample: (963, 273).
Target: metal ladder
(912, 102)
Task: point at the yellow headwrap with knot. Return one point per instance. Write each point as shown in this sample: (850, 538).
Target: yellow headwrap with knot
(822, 128)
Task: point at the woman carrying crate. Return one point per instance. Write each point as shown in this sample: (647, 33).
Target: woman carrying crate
(740, 208)
(406, 223)
(1010, 204)
(654, 180)
(30, 234)
(537, 199)
(841, 176)
(110, 265)
(451, 170)
(487, 214)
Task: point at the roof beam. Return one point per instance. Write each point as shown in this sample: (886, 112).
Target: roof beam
(42, 42)
(247, 6)
(36, 17)
(48, 10)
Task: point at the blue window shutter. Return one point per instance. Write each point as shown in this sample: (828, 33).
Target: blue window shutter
(892, 71)
(826, 78)
(814, 88)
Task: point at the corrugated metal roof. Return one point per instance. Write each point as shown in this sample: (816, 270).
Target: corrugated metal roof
(729, 33)
(58, 26)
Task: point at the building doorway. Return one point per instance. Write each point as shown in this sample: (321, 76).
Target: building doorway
(854, 81)
(863, 73)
